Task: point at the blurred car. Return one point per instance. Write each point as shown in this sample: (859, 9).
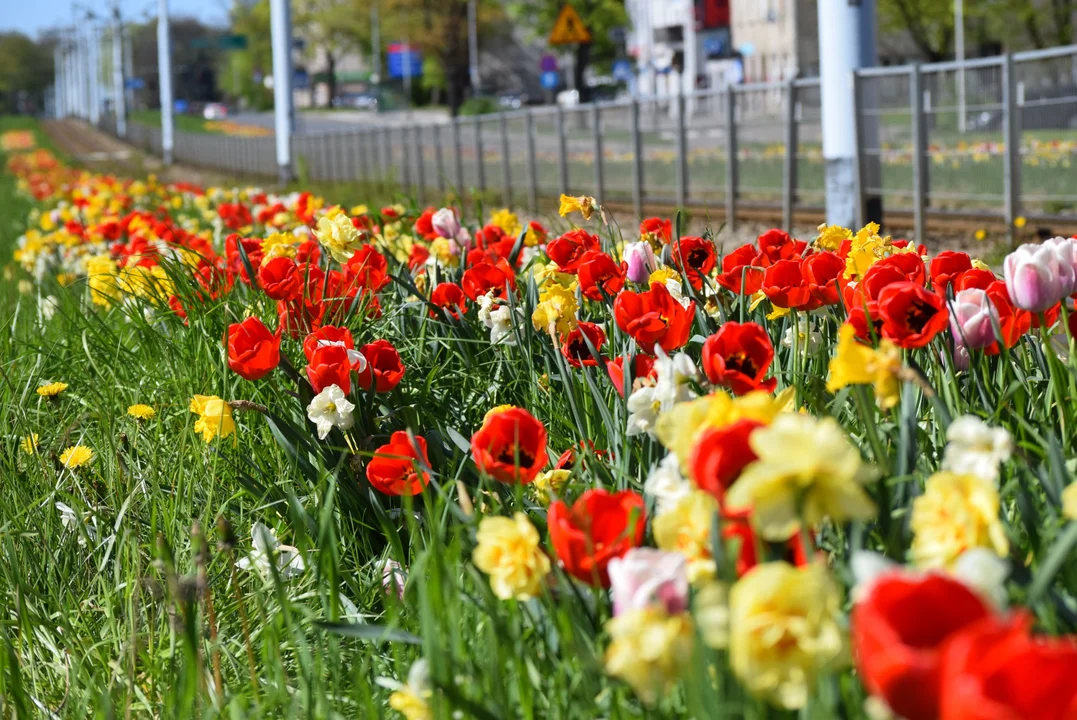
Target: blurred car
(512, 101)
(358, 101)
(215, 111)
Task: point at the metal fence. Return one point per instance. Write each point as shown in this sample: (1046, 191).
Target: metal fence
(994, 137)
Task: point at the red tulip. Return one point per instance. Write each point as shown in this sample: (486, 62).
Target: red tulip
(510, 446)
(741, 273)
(654, 318)
(784, 285)
(568, 250)
(994, 670)
(1013, 322)
(330, 365)
(643, 367)
(397, 467)
(821, 271)
(484, 277)
(253, 351)
(657, 228)
(775, 245)
(330, 334)
(976, 278)
(280, 279)
(737, 524)
(368, 269)
(598, 527)
(946, 266)
(911, 315)
(575, 349)
(450, 297)
(695, 257)
(738, 357)
(719, 456)
(384, 367)
(898, 631)
(598, 274)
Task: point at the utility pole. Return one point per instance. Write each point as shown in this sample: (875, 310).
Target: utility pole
(846, 43)
(119, 104)
(280, 23)
(473, 45)
(93, 68)
(58, 80)
(164, 79)
(128, 66)
(375, 54)
(959, 52)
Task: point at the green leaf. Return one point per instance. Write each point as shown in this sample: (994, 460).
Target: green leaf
(366, 631)
(1063, 547)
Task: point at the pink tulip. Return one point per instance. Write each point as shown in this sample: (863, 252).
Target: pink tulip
(645, 577)
(641, 261)
(445, 223)
(1065, 250)
(1034, 277)
(973, 319)
(393, 578)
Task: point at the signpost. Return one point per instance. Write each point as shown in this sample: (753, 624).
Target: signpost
(569, 28)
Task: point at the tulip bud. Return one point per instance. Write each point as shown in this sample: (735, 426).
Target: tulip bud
(445, 223)
(641, 261)
(973, 319)
(646, 577)
(1033, 277)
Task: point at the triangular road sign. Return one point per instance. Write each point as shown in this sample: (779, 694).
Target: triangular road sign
(569, 28)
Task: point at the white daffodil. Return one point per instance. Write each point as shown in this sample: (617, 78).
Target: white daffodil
(666, 484)
(266, 547)
(673, 377)
(975, 448)
(48, 307)
(985, 572)
(73, 521)
(642, 410)
(497, 317)
(330, 409)
(807, 335)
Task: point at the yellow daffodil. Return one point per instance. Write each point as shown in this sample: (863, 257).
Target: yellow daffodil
(650, 650)
(507, 221)
(557, 306)
(662, 275)
(832, 236)
(548, 484)
(857, 364)
(1069, 501)
(688, 528)
(76, 456)
(679, 428)
(582, 204)
(955, 513)
(51, 389)
(214, 417)
(509, 550)
(337, 235)
(785, 630)
(806, 469)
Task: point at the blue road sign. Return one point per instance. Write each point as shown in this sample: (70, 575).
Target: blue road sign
(622, 70)
(404, 61)
(134, 83)
(551, 80)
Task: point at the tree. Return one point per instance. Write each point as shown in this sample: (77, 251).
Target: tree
(245, 69)
(25, 72)
(1045, 22)
(929, 23)
(599, 16)
(331, 28)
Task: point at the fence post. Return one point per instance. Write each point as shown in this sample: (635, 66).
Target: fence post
(919, 150)
(458, 158)
(1011, 128)
(532, 165)
(480, 164)
(420, 162)
(731, 158)
(506, 169)
(789, 181)
(637, 160)
(384, 151)
(562, 150)
(682, 153)
(405, 157)
(439, 163)
(858, 164)
(596, 134)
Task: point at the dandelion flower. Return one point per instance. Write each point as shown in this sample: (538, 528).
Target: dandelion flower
(141, 412)
(76, 456)
(51, 389)
(1020, 221)
(29, 444)
(981, 234)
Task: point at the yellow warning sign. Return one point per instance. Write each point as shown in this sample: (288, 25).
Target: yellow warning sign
(569, 28)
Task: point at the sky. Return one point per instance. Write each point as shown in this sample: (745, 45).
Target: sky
(32, 16)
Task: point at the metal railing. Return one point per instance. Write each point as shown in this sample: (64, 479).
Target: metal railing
(996, 137)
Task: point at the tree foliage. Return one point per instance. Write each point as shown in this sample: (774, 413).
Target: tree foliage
(25, 72)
